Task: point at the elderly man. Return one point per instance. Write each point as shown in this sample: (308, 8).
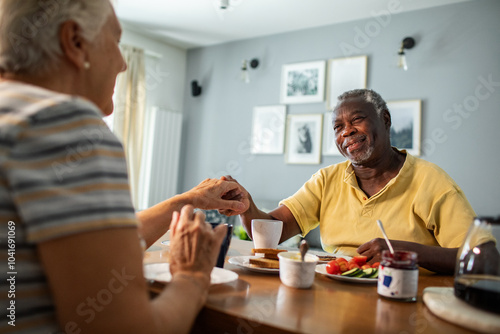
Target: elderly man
(422, 208)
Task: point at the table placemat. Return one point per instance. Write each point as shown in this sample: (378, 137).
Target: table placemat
(443, 303)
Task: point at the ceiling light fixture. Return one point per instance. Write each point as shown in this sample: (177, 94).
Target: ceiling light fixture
(245, 76)
(407, 43)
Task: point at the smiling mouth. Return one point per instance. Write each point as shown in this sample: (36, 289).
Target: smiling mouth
(354, 144)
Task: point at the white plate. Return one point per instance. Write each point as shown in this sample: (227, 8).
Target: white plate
(161, 272)
(244, 262)
(321, 269)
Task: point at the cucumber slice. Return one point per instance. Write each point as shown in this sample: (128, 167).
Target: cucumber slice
(368, 272)
(352, 272)
(360, 274)
(375, 273)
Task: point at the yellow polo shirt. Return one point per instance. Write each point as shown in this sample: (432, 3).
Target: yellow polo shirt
(421, 204)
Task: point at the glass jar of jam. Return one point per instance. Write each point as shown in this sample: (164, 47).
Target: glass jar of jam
(398, 276)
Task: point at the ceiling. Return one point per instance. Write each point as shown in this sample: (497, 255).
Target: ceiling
(196, 23)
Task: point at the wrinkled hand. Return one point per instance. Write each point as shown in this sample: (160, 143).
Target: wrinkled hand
(240, 195)
(229, 197)
(194, 245)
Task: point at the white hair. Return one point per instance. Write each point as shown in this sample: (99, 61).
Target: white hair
(369, 96)
(29, 41)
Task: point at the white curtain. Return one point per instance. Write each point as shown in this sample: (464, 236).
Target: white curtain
(128, 123)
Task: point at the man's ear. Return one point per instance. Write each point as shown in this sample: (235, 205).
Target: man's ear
(386, 115)
(73, 44)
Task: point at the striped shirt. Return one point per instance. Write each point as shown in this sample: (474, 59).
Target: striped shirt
(62, 172)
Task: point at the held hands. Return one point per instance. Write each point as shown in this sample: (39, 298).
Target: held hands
(194, 245)
(228, 196)
(240, 194)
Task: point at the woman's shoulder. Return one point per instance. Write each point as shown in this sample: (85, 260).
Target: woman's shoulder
(34, 102)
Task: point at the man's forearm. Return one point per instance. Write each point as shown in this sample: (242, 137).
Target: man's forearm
(253, 212)
(433, 258)
(438, 259)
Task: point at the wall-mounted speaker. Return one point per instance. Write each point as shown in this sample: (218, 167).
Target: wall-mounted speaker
(195, 88)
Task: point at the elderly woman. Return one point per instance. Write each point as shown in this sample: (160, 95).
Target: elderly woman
(67, 222)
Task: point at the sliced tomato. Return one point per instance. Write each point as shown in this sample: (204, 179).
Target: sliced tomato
(333, 268)
(365, 266)
(352, 266)
(343, 266)
(341, 259)
(360, 260)
(375, 265)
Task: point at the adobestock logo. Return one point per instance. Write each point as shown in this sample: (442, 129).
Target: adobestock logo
(460, 111)
(372, 29)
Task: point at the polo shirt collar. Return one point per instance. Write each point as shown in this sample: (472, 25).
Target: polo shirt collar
(350, 176)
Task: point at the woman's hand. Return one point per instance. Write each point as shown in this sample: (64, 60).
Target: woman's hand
(194, 245)
(221, 194)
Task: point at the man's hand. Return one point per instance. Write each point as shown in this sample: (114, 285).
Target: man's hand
(434, 258)
(239, 194)
(373, 249)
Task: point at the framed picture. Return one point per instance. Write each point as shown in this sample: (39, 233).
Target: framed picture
(303, 82)
(329, 145)
(405, 129)
(304, 139)
(345, 74)
(268, 129)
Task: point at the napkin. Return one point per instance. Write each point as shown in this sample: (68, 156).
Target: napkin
(443, 303)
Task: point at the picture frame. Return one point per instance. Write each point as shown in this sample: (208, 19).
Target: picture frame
(303, 82)
(406, 125)
(268, 129)
(345, 74)
(329, 145)
(303, 144)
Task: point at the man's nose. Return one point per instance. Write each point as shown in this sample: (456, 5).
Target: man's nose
(348, 130)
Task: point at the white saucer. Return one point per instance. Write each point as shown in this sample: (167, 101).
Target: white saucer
(244, 262)
(161, 272)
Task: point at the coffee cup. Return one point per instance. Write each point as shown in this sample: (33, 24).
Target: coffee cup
(266, 233)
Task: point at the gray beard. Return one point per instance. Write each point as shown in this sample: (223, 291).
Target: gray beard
(363, 157)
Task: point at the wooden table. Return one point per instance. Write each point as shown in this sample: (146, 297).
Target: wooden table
(259, 303)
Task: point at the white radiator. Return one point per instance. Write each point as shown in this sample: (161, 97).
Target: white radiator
(161, 156)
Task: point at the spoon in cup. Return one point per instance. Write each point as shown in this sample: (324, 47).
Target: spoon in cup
(304, 247)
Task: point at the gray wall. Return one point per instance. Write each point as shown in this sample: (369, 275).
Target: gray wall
(457, 49)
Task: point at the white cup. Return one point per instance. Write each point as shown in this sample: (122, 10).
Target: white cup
(266, 233)
(295, 273)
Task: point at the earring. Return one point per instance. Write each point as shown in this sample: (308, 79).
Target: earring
(86, 65)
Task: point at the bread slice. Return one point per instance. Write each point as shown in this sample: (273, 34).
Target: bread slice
(269, 253)
(267, 250)
(261, 262)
